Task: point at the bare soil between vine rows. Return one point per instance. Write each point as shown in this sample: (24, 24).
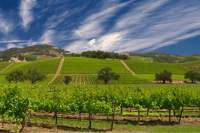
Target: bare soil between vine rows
(123, 120)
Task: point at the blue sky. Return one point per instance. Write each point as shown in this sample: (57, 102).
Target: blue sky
(169, 26)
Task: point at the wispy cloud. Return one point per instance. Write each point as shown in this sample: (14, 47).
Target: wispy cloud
(148, 25)
(92, 26)
(26, 13)
(47, 37)
(5, 25)
(11, 45)
(55, 20)
(12, 41)
(142, 29)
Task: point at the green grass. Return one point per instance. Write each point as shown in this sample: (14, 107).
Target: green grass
(140, 58)
(155, 113)
(140, 67)
(44, 66)
(3, 65)
(91, 65)
(120, 126)
(192, 65)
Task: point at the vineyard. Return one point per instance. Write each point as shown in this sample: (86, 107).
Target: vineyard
(3, 65)
(163, 103)
(140, 58)
(87, 79)
(91, 65)
(140, 67)
(192, 65)
(44, 66)
(151, 77)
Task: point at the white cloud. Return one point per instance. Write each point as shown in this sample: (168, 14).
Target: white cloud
(55, 20)
(47, 37)
(142, 31)
(12, 41)
(91, 42)
(26, 7)
(77, 46)
(92, 26)
(29, 43)
(11, 45)
(5, 25)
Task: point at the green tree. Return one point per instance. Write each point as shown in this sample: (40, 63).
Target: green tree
(34, 75)
(163, 76)
(67, 79)
(105, 75)
(193, 76)
(15, 75)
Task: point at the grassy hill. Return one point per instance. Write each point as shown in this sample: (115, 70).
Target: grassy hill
(38, 49)
(44, 66)
(140, 67)
(91, 65)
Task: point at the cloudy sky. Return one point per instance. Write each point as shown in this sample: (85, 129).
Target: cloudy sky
(139, 26)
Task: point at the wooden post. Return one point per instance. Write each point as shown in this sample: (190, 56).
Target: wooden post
(113, 116)
(121, 110)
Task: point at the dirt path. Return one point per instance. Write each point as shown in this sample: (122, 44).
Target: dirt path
(127, 66)
(184, 67)
(58, 70)
(6, 67)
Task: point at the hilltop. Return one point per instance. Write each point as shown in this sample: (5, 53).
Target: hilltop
(162, 57)
(32, 53)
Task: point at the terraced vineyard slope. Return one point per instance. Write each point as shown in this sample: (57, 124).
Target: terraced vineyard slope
(140, 67)
(44, 66)
(140, 58)
(192, 65)
(91, 65)
(4, 65)
(58, 70)
(127, 66)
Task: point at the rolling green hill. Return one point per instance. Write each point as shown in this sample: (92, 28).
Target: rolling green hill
(140, 67)
(44, 66)
(91, 65)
